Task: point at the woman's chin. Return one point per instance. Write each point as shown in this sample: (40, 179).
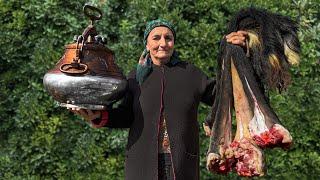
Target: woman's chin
(164, 56)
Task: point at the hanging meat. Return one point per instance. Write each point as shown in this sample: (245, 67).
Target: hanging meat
(243, 80)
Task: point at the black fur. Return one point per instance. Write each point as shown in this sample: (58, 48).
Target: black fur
(273, 32)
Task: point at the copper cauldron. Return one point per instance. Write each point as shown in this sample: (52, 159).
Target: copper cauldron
(86, 76)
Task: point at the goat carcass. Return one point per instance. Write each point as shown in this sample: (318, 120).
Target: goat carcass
(241, 83)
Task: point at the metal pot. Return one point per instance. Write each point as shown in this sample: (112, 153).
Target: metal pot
(86, 76)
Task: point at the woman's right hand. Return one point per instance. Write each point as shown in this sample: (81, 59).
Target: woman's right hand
(87, 114)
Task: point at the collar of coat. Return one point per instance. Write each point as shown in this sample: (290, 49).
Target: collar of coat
(145, 68)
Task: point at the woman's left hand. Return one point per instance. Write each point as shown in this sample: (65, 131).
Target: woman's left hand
(237, 38)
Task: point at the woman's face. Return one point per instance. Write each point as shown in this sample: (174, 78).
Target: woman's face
(160, 43)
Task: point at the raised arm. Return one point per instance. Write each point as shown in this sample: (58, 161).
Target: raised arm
(118, 117)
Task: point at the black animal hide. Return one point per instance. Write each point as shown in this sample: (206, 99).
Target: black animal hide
(272, 46)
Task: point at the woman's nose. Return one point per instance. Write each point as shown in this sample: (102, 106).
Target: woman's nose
(162, 42)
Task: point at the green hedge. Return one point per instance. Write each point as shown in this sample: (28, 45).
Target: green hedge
(39, 140)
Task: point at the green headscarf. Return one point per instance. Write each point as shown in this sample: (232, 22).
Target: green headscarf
(144, 66)
(156, 23)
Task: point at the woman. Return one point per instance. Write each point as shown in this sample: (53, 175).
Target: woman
(160, 108)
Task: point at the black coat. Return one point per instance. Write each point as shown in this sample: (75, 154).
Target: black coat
(176, 89)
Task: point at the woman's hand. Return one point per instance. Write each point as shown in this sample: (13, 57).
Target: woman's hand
(237, 38)
(87, 114)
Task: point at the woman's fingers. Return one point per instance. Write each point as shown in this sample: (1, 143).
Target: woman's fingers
(83, 113)
(238, 33)
(77, 113)
(237, 40)
(87, 114)
(244, 33)
(94, 114)
(240, 38)
(231, 35)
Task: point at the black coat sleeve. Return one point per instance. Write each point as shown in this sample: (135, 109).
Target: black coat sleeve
(121, 116)
(118, 117)
(208, 90)
(208, 95)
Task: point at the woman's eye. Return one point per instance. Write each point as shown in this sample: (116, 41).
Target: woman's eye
(156, 37)
(168, 38)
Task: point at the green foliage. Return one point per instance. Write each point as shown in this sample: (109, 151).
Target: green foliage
(39, 140)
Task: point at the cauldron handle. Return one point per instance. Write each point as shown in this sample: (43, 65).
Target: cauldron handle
(75, 67)
(92, 16)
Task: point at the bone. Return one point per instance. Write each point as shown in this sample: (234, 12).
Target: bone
(249, 157)
(241, 105)
(274, 136)
(255, 113)
(221, 135)
(220, 164)
(258, 126)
